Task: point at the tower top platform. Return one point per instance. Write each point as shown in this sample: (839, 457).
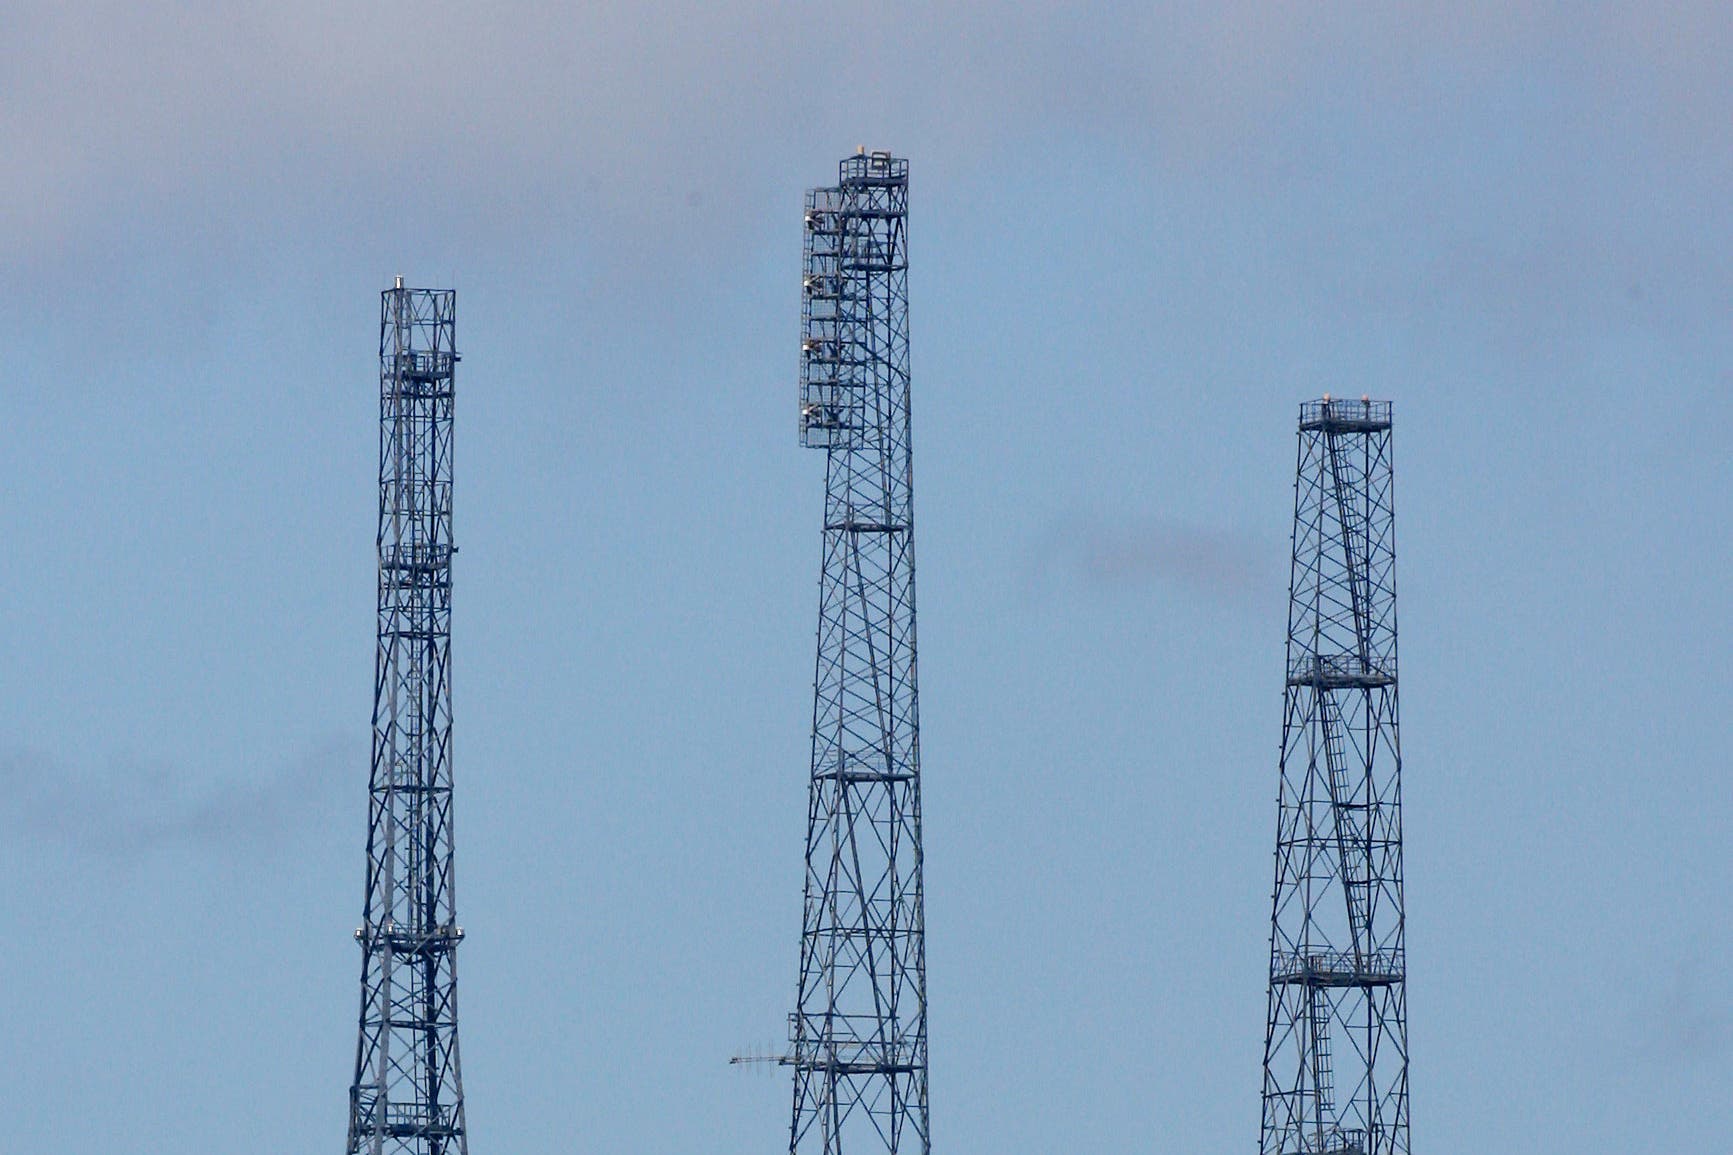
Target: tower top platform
(1342, 415)
(872, 168)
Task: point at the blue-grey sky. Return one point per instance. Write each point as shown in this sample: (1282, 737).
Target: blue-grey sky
(1141, 235)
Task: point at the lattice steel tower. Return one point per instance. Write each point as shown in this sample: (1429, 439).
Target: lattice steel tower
(859, 1032)
(1336, 1047)
(407, 1095)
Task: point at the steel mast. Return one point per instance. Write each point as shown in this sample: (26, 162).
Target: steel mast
(858, 1035)
(1336, 1045)
(407, 1095)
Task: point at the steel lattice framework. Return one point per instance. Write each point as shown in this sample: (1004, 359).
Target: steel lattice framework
(1336, 1047)
(407, 1095)
(859, 1032)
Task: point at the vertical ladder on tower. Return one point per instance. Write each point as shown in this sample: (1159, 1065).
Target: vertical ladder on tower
(1323, 1079)
(1353, 523)
(1353, 858)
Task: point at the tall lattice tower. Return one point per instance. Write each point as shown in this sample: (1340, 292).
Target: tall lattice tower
(1336, 1047)
(859, 1032)
(407, 1095)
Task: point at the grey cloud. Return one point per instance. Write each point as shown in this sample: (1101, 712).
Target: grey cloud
(1132, 553)
(132, 810)
(1689, 1020)
(110, 103)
